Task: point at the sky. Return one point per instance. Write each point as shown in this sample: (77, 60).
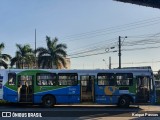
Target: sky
(85, 25)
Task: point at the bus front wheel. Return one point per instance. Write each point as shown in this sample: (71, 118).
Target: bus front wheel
(48, 101)
(124, 101)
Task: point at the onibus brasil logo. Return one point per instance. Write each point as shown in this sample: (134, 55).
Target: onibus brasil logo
(18, 114)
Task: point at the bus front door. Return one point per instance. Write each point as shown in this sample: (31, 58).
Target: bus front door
(25, 88)
(143, 89)
(87, 88)
(1, 87)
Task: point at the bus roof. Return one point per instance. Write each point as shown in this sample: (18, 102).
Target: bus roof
(80, 70)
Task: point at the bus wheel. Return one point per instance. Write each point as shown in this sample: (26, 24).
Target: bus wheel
(124, 102)
(48, 101)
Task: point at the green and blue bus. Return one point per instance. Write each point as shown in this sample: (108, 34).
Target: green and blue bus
(51, 86)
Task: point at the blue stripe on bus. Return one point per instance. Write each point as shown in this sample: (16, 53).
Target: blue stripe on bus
(69, 94)
(10, 95)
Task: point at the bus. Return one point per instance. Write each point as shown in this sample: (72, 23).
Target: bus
(49, 87)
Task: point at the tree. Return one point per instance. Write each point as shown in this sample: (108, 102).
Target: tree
(157, 76)
(24, 57)
(52, 56)
(4, 57)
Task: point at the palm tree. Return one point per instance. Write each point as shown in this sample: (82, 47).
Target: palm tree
(4, 57)
(24, 56)
(52, 56)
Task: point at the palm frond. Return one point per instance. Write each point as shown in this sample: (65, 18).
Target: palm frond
(4, 64)
(53, 55)
(6, 57)
(48, 41)
(13, 61)
(61, 46)
(61, 60)
(54, 41)
(61, 52)
(41, 49)
(1, 47)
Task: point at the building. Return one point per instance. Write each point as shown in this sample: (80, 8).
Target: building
(148, 3)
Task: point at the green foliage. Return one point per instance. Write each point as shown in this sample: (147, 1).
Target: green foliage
(53, 55)
(2, 102)
(24, 56)
(4, 57)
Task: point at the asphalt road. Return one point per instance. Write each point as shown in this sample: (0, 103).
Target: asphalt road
(78, 112)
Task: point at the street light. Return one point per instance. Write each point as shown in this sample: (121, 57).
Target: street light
(107, 49)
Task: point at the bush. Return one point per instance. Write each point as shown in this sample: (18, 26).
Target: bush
(158, 96)
(2, 102)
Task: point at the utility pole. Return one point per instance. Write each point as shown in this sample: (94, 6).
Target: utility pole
(109, 62)
(35, 50)
(119, 52)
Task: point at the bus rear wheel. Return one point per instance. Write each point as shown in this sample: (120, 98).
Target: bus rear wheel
(124, 102)
(48, 101)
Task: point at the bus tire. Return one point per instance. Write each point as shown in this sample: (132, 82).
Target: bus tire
(124, 101)
(48, 101)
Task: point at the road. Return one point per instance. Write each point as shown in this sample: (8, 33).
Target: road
(80, 112)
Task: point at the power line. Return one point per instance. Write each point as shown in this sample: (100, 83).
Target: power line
(95, 45)
(115, 27)
(114, 30)
(92, 50)
(92, 54)
(132, 43)
(116, 51)
(142, 62)
(142, 43)
(144, 35)
(133, 49)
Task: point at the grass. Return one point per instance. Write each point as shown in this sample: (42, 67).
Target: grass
(2, 102)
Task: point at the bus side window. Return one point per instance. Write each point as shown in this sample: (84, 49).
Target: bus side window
(11, 78)
(0, 84)
(46, 79)
(44, 82)
(50, 82)
(70, 79)
(124, 79)
(106, 79)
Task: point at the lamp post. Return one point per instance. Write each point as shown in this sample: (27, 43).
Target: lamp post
(35, 51)
(110, 63)
(109, 66)
(107, 50)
